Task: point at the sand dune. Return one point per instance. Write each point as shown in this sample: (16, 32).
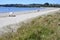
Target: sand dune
(4, 21)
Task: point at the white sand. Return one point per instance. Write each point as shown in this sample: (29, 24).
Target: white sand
(4, 21)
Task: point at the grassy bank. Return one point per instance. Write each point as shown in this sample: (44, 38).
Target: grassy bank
(41, 28)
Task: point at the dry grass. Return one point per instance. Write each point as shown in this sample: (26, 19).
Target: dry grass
(41, 28)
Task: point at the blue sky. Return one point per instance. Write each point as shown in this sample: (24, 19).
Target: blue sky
(28, 1)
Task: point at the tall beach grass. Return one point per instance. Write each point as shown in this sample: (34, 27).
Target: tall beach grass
(45, 27)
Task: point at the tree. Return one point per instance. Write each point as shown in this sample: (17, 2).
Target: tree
(47, 4)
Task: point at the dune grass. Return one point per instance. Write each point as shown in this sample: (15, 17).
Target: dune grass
(45, 27)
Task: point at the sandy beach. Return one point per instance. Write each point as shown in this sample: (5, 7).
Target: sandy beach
(4, 21)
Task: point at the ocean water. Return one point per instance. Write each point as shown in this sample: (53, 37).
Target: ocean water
(15, 9)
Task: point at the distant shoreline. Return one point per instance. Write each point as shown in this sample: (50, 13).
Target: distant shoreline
(30, 5)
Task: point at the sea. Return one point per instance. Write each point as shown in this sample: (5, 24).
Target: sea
(16, 9)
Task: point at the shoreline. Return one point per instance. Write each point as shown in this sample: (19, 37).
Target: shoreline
(27, 14)
(6, 14)
(5, 21)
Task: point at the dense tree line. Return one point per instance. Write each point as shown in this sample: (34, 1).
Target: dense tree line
(31, 5)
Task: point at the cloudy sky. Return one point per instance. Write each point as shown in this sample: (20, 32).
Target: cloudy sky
(29, 1)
